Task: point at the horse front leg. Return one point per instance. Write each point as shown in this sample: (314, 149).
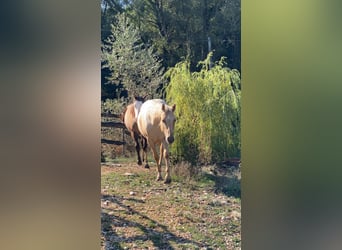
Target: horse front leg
(156, 158)
(161, 153)
(167, 162)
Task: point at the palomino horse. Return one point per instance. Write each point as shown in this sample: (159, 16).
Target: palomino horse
(156, 121)
(129, 118)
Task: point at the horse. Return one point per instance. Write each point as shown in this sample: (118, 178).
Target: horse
(156, 122)
(129, 118)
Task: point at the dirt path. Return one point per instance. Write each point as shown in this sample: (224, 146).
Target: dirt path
(140, 213)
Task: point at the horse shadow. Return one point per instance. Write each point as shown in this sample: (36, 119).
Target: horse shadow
(110, 220)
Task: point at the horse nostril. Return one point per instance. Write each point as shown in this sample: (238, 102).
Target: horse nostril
(170, 139)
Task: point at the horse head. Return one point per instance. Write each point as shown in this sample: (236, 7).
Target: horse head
(168, 120)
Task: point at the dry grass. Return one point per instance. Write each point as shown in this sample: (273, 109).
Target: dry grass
(186, 171)
(140, 213)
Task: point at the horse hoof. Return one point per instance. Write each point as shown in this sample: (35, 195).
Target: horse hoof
(167, 181)
(147, 166)
(139, 163)
(159, 179)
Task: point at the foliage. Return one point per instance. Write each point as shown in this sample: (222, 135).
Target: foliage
(176, 29)
(208, 111)
(113, 106)
(109, 9)
(131, 62)
(180, 29)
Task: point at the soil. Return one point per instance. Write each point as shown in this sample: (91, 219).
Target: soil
(138, 212)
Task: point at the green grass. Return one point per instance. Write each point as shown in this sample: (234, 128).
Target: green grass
(120, 159)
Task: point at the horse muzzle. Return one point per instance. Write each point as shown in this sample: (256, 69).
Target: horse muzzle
(170, 139)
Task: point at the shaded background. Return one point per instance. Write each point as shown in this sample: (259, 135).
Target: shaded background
(291, 125)
(50, 125)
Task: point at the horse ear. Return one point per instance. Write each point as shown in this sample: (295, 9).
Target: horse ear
(163, 107)
(173, 107)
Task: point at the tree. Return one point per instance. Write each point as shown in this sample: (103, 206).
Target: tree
(132, 63)
(109, 9)
(208, 128)
(180, 29)
(226, 31)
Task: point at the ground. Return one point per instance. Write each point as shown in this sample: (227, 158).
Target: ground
(137, 212)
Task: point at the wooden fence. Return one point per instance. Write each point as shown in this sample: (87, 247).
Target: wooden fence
(116, 124)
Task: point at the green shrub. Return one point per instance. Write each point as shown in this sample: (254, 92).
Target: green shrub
(208, 111)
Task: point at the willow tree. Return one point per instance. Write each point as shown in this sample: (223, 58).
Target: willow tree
(131, 62)
(208, 110)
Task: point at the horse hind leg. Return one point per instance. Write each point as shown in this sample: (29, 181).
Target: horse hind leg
(144, 146)
(137, 148)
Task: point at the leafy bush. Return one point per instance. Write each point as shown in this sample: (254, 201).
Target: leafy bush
(113, 106)
(208, 111)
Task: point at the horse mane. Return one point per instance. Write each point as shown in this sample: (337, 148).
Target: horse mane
(136, 98)
(140, 98)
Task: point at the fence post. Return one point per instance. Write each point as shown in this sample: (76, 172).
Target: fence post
(123, 140)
